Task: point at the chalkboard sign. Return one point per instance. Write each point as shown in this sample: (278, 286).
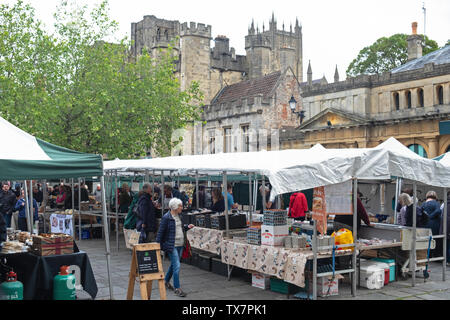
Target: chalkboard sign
(146, 266)
(147, 262)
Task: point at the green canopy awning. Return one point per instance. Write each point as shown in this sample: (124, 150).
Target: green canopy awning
(24, 157)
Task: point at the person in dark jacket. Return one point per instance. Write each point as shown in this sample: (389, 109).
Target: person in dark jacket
(420, 217)
(441, 229)
(38, 194)
(432, 208)
(146, 222)
(201, 198)
(3, 233)
(125, 198)
(7, 201)
(22, 219)
(218, 201)
(171, 237)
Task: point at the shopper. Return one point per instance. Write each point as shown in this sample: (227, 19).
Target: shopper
(171, 237)
(403, 199)
(167, 197)
(218, 201)
(146, 220)
(298, 206)
(348, 219)
(61, 197)
(68, 200)
(38, 194)
(7, 201)
(201, 198)
(421, 219)
(3, 233)
(276, 204)
(22, 220)
(441, 229)
(125, 198)
(230, 199)
(98, 193)
(432, 209)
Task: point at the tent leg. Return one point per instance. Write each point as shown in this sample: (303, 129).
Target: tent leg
(79, 210)
(224, 190)
(117, 216)
(106, 232)
(444, 240)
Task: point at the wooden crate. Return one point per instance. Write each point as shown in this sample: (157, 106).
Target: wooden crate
(55, 244)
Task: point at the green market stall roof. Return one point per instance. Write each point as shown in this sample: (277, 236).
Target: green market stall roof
(25, 157)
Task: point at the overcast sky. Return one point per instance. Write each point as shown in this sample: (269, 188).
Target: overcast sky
(333, 31)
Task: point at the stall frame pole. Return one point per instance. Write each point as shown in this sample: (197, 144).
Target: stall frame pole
(117, 214)
(250, 207)
(106, 235)
(79, 209)
(31, 207)
(196, 190)
(263, 194)
(27, 206)
(355, 234)
(162, 193)
(153, 183)
(224, 190)
(412, 255)
(444, 240)
(397, 192)
(314, 247)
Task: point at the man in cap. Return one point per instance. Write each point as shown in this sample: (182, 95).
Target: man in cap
(7, 201)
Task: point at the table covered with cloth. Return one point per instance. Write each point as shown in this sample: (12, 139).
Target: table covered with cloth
(37, 272)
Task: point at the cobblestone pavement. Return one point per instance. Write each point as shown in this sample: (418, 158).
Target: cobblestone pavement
(204, 285)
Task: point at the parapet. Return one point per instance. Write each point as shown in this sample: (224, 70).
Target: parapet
(195, 29)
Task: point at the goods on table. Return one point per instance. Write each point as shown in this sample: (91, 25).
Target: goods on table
(24, 236)
(14, 247)
(274, 235)
(343, 236)
(51, 244)
(12, 234)
(235, 221)
(254, 235)
(275, 217)
(295, 241)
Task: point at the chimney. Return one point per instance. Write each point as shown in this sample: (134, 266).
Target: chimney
(414, 44)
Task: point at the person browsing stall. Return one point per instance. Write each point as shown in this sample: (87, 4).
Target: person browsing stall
(22, 219)
(146, 220)
(230, 199)
(218, 201)
(171, 237)
(7, 201)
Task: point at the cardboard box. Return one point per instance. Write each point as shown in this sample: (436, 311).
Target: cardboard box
(273, 235)
(261, 281)
(325, 283)
(56, 245)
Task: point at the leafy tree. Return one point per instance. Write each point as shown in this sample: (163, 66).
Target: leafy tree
(385, 54)
(78, 91)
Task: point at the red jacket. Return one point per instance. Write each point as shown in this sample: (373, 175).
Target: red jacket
(297, 205)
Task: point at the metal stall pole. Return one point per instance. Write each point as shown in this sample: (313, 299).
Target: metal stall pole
(153, 184)
(314, 247)
(31, 207)
(396, 201)
(147, 178)
(79, 209)
(162, 193)
(196, 190)
(224, 190)
(117, 215)
(106, 233)
(27, 206)
(263, 194)
(73, 208)
(355, 234)
(412, 255)
(444, 240)
(250, 198)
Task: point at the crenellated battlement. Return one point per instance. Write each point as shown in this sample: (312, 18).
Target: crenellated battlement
(195, 29)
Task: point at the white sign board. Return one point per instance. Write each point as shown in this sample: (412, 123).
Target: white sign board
(61, 223)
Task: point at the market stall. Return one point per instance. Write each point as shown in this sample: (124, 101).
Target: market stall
(27, 158)
(293, 170)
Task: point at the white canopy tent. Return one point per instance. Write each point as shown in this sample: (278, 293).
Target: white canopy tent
(292, 170)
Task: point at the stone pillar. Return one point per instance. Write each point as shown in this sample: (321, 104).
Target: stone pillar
(433, 148)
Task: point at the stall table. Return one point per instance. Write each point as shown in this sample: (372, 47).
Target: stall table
(37, 272)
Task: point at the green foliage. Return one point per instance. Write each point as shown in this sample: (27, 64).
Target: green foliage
(78, 91)
(384, 55)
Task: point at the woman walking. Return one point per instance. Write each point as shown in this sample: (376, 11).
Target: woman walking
(171, 237)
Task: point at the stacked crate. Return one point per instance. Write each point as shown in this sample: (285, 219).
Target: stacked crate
(274, 228)
(254, 235)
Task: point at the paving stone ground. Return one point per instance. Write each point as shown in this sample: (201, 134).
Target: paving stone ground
(204, 285)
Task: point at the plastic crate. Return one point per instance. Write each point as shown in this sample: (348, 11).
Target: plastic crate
(85, 234)
(254, 236)
(281, 286)
(275, 218)
(236, 221)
